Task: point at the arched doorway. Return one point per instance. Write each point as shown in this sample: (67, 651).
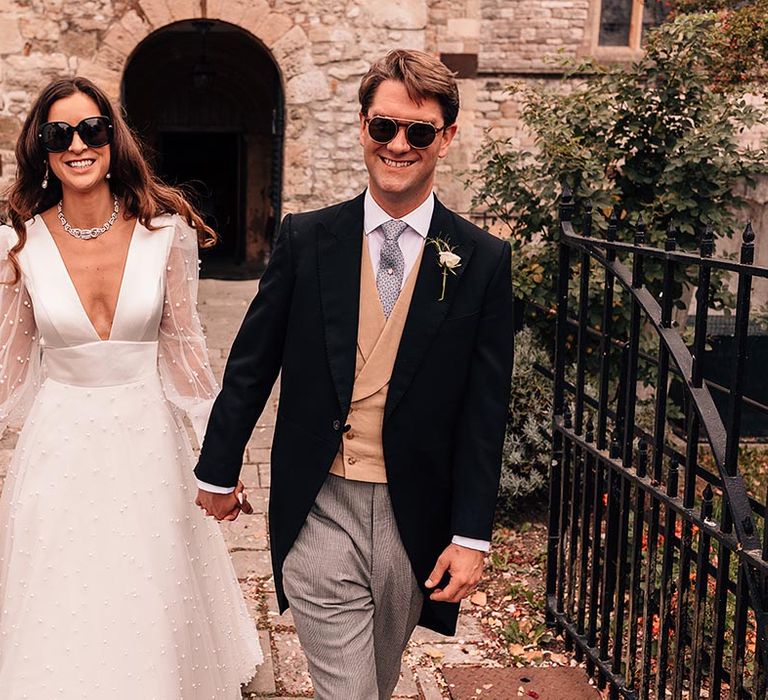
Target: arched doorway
(206, 97)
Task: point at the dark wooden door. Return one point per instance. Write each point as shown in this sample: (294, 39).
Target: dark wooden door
(209, 165)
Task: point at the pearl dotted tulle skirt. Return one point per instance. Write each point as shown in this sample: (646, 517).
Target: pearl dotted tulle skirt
(112, 582)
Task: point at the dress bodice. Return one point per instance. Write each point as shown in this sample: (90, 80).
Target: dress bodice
(59, 314)
(45, 331)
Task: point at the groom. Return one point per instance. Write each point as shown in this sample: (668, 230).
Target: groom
(389, 318)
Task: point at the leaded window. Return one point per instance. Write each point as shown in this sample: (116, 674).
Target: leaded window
(623, 23)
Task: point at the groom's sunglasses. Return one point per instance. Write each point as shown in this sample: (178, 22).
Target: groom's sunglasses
(418, 134)
(56, 137)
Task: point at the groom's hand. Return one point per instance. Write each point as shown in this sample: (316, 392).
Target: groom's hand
(465, 569)
(223, 506)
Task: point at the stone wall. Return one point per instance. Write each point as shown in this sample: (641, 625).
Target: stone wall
(530, 35)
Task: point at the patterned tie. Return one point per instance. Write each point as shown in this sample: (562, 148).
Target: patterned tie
(389, 278)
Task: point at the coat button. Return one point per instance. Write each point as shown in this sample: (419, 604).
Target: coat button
(347, 428)
(337, 425)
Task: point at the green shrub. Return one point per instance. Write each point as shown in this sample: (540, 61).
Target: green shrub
(527, 448)
(743, 39)
(652, 138)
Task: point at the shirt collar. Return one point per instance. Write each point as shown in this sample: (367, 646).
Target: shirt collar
(419, 219)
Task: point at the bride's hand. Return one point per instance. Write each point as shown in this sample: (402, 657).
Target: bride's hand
(245, 506)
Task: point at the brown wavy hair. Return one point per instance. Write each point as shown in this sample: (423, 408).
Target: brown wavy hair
(132, 179)
(423, 76)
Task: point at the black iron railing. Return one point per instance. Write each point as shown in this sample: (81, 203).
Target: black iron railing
(658, 556)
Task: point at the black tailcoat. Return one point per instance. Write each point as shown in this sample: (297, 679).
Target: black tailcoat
(447, 403)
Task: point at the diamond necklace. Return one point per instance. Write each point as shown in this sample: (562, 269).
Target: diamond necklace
(86, 233)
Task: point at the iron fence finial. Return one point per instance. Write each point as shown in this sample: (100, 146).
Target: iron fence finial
(642, 457)
(707, 498)
(615, 449)
(748, 245)
(566, 204)
(613, 224)
(673, 474)
(567, 416)
(588, 218)
(707, 247)
(670, 243)
(640, 231)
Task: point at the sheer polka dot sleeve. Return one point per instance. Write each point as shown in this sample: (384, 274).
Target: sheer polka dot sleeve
(19, 344)
(186, 374)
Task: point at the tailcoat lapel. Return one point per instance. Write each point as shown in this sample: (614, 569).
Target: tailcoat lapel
(427, 312)
(340, 245)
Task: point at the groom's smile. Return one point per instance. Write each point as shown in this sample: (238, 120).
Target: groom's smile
(397, 163)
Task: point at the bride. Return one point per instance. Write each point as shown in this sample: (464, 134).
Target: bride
(112, 583)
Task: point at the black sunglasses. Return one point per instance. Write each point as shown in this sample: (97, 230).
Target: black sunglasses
(418, 134)
(57, 136)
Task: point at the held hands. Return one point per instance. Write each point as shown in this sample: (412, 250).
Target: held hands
(465, 569)
(224, 506)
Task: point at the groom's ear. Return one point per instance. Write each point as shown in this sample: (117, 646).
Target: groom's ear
(447, 136)
(362, 128)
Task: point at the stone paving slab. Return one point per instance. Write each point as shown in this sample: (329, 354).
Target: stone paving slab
(251, 564)
(291, 664)
(478, 683)
(406, 687)
(247, 533)
(259, 499)
(250, 478)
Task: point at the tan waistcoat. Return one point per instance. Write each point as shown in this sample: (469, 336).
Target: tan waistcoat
(361, 456)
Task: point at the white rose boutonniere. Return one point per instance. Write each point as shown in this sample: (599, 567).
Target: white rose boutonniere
(447, 259)
(450, 260)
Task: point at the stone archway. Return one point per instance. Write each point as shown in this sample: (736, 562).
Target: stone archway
(207, 99)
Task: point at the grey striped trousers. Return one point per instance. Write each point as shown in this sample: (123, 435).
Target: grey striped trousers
(352, 591)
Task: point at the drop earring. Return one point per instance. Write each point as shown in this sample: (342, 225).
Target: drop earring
(45, 177)
(108, 176)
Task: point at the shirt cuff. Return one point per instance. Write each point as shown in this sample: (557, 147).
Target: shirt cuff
(481, 545)
(212, 488)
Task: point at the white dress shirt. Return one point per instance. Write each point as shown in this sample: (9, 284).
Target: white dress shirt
(411, 242)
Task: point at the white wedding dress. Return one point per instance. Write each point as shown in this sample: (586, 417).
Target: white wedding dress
(113, 584)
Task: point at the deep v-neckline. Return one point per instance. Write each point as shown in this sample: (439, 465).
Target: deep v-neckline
(73, 287)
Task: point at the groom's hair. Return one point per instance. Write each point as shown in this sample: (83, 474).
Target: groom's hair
(422, 75)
